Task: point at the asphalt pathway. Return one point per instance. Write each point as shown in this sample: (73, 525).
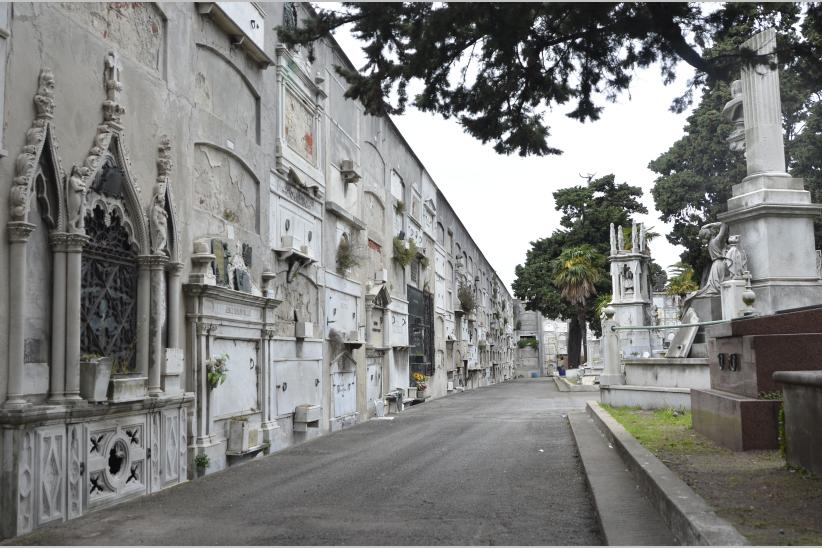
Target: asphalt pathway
(496, 465)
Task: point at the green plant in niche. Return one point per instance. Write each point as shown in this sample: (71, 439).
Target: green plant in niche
(202, 461)
(465, 294)
(527, 342)
(399, 207)
(346, 257)
(216, 371)
(119, 367)
(423, 259)
(404, 255)
(230, 216)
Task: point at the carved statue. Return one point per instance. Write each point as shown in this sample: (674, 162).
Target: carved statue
(627, 280)
(734, 113)
(715, 234)
(76, 199)
(158, 224)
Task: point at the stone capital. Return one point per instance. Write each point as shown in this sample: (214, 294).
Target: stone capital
(19, 231)
(158, 262)
(58, 241)
(76, 242)
(175, 267)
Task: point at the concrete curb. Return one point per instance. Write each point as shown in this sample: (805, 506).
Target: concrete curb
(564, 386)
(691, 520)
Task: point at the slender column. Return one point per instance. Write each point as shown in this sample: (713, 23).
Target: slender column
(200, 379)
(143, 312)
(764, 148)
(57, 368)
(74, 283)
(174, 300)
(158, 320)
(18, 233)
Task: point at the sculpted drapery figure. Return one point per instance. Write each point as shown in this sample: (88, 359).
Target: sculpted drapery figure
(158, 224)
(727, 258)
(76, 199)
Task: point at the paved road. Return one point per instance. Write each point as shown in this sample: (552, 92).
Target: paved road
(496, 465)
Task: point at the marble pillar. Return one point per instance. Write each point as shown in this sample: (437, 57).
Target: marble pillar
(74, 287)
(18, 234)
(174, 301)
(157, 323)
(57, 381)
(143, 313)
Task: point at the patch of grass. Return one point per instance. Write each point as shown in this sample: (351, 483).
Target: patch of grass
(660, 429)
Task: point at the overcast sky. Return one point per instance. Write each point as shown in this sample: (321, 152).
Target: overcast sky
(506, 202)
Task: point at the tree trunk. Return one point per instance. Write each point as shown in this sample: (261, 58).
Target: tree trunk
(583, 334)
(573, 343)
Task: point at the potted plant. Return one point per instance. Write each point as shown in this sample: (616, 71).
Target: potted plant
(216, 371)
(420, 380)
(201, 463)
(95, 372)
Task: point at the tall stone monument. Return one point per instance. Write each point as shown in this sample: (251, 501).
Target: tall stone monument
(769, 209)
(631, 296)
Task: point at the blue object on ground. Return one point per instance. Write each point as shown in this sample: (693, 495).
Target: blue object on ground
(534, 374)
(561, 371)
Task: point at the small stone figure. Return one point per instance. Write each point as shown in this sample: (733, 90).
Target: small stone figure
(627, 280)
(735, 258)
(76, 199)
(158, 224)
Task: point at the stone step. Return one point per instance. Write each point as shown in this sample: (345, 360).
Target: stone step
(625, 514)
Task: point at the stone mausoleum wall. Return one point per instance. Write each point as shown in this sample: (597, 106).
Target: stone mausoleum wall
(200, 254)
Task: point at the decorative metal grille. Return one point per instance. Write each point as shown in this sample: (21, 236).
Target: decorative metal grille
(109, 294)
(420, 331)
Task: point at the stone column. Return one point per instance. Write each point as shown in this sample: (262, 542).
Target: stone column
(158, 320)
(74, 286)
(57, 382)
(143, 313)
(611, 370)
(174, 300)
(764, 149)
(18, 233)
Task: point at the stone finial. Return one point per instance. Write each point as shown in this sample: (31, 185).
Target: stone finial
(642, 238)
(609, 312)
(164, 161)
(634, 239)
(620, 239)
(613, 240)
(44, 98)
(112, 110)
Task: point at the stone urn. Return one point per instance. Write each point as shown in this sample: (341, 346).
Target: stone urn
(95, 373)
(422, 391)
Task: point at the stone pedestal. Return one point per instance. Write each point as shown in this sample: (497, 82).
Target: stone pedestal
(732, 304)
(803, 415)
(743, 357)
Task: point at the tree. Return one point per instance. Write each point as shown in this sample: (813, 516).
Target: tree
(498, 67)
(587, 213)
(698, 171)
(576, 272)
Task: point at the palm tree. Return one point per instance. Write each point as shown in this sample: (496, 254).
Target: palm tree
(576, 272)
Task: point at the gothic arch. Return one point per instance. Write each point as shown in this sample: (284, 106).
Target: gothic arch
(39, 161)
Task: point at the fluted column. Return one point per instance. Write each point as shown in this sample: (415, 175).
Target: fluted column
(764, 148)
(143, 313)
(57, 366)
(158, 320)
(74, 285)
(18, 233)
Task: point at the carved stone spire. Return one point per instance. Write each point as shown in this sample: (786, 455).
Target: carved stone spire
(112, 110)
(44, 98)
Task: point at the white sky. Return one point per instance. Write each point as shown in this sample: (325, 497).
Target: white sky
(506, 202)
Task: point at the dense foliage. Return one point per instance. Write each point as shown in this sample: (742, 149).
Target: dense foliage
(497, 67)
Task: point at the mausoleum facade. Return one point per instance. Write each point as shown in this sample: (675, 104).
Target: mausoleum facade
(211, 254)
